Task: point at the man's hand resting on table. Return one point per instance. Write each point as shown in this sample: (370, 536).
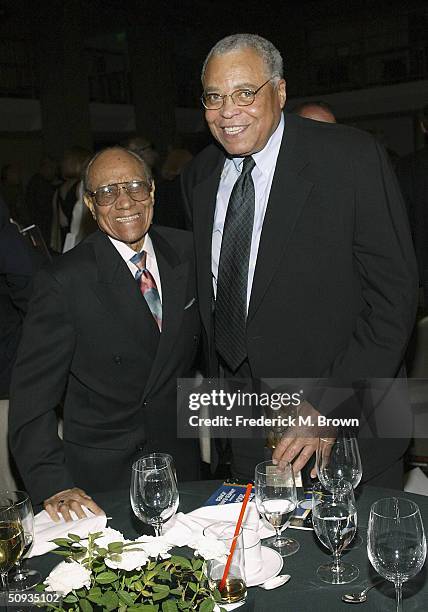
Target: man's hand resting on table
(299, 443)
(61, 503)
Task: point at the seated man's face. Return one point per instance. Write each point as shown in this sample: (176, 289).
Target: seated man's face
(126, 219)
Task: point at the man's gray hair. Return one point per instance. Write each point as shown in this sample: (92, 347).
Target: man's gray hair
(235, 42)
(85, 177)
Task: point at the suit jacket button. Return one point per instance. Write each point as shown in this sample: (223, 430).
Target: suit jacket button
(117, 359)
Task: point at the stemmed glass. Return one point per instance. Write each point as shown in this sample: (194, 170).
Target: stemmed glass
(396, 543)
(11, 538)
(339, 461)
(276, 500)
(334, 517)
(154, 493)
(23, 579)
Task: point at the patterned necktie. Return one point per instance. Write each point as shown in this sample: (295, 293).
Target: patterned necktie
(148, 286)
(232, 279)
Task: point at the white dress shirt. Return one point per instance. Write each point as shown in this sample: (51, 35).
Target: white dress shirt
(262, 176)
(126, 253)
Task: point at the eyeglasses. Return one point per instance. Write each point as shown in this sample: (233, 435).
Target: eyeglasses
(108, 194)
(240, 97)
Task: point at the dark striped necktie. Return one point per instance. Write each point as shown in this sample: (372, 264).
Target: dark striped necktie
(232, 278)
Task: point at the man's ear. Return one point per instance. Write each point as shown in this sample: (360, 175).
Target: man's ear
(282, 92)
(88, 201)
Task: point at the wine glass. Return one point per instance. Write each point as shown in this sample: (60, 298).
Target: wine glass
(23, 579)
(339, 461)
(396, 543)
(334, 517)
(11, 538)
(154, 493)
(276, 500)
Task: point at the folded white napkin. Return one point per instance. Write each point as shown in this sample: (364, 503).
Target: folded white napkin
(45, 529)
(183, 528)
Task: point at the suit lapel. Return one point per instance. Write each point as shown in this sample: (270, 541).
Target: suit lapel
(288, 195)
(174, 276)
(120, 295)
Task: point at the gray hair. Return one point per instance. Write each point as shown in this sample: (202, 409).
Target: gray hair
(85, 177)
(235, 42)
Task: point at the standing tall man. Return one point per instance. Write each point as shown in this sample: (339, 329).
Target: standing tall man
(304, 261)
(112, 324)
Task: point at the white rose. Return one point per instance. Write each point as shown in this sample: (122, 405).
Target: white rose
(109, 535)
(68, 576)
(155, 546)
(129, 560)
(210, 548)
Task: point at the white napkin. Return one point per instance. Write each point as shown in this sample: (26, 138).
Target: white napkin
(415, 481)
(183, 528)
(45, 529)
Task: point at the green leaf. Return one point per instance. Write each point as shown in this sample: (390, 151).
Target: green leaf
(85, 605)
(110, 601)
(95, 595)
(193, 586)
(184, 605)
(143, 608)
(127, 598)
(197, 563)
(106, 577)
(62, 541)
(115, 547)
(161, 588)
(74, 537)
(169, 606)
(207, 605)
(181, 561)
(70, 598)
(159, 596)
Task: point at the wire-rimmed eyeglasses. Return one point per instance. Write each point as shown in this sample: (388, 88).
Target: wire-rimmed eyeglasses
(108, 194)
(240, 97)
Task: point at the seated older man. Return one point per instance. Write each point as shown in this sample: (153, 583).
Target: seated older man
(112, 325)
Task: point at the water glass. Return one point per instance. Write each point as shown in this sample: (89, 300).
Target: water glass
(334, 517)
(154, 493)
(396, 543)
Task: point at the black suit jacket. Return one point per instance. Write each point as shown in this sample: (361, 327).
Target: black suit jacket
(334, 291)
(90, 339)
(412, 172)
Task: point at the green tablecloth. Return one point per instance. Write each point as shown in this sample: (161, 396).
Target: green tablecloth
(304, 592)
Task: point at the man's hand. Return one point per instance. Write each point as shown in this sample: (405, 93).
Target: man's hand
(299, 443)
(61, 503)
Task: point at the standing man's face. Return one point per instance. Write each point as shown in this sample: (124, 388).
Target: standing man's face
(243, 130)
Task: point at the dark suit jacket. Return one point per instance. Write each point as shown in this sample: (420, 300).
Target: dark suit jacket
(412, 172)
(18, 263)
(90, 339)
(334, 292)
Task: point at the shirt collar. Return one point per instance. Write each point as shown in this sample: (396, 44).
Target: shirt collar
(264, 157)
(126, 252)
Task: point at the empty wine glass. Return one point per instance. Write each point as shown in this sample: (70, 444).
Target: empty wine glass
(334, 517)
(396, 543)
(154, 493)
(11, 538)
(23, 579)
(339, 461)
(276, 500)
